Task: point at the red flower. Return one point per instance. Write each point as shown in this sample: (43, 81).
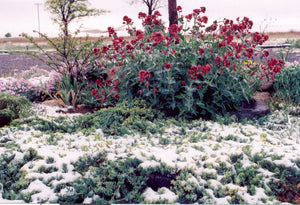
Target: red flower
(203, 9)
(111, 31)
(139, 34)
(196, 11)
(116, 82)
(203, 19)
(142, 15)
(167, 65)
(127, 20)
(266, 53)
(104, 49)
(99, 82)
(94, 92)
(117, 96)
(155, 44)
(129, 47)
(140, 91)
(143, 74)
(102, 92)
(249, 52)
(96, 50)
(189, 17)
(179, 8)
(157, 37)
(183, 82)
(154, 90)
(234, 67)
(218, 59)
(104, 99)
(205, 69)
(201, 51)
(193, 72)
(156, 13)
(222, 44)
(147, 83)
(227, 63)
(174, 28)
(116, 88)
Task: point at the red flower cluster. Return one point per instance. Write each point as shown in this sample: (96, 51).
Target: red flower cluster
(151, 20)
(127, 20)
(144, 75)
(248, 53)
(104, 49)
(167, 66)
(275, 65)
(129, 47)
(203, 19)
(201, 51)
(259, 38)
(139, 34)
(157, 37)
(193, 72)
(189, 17)
(174, 28)
(179, 8)
(266, 53)
(99, 82)
(117, 96)
(111, 32)
(142, 15)
(205, 69)
(94, 92)
(96, 50)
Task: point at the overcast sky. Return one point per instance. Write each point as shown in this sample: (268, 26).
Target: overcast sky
(17, 16)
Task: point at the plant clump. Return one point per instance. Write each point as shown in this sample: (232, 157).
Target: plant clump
(190, 70)
(12, 107)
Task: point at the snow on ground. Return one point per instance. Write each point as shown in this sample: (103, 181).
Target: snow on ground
(202, 148)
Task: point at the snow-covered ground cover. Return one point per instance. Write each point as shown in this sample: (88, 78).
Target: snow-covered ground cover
(204, 161)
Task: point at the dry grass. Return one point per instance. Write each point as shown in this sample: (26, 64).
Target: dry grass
(287, 35)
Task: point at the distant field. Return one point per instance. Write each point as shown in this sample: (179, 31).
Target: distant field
(272, 35)
(16, 45)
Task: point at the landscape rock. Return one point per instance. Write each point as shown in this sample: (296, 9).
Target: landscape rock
(254, 109)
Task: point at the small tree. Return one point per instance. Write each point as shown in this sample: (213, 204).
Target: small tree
(66, 11)
(71, 55)
(152, 5)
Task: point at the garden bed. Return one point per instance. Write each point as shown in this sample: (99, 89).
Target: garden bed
(164, 133)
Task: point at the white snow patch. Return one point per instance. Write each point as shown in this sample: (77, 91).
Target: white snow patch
(45, 192)
(162, 194)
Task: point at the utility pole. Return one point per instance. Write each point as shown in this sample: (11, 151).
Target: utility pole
(38, 13)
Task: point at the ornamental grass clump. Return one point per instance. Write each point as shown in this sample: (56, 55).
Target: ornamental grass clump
(190, 69)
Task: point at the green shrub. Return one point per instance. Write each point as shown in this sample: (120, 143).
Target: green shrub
(203, 75)
(119, 120)
(287, 84)
(117, 181)
(12, 107)
(12, 177)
